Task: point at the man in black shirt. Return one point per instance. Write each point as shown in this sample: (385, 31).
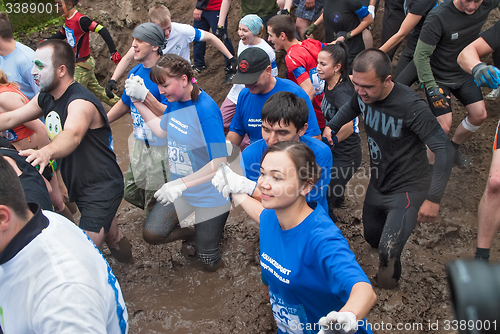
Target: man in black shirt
(486, 76)
(447, 29)
(81, 140)
(402, 191)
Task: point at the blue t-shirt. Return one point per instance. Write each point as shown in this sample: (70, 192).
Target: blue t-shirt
(140, 128)
(310, 270)
(247, 118)
(17, 66)
(250, 164)
(195, 136)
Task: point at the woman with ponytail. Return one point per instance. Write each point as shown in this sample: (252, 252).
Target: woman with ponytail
(193, 126)
(333, 68)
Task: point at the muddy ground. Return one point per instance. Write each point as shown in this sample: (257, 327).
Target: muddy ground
(167, 292)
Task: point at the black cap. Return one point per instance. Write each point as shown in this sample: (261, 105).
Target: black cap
(251, 63)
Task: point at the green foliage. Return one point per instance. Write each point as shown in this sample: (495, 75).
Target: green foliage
(29, 16)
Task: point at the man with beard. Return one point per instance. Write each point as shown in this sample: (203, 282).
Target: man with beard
(80, 139)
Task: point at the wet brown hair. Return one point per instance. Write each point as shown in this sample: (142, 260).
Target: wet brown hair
(11, 191)
(303, 158)
(174, 66)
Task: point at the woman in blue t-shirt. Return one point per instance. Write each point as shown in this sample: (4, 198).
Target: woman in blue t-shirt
(193, 126)
(314, 279)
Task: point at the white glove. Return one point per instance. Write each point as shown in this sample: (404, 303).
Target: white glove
(371, 10)
(135, 88)
(338, 322)
(170, 191)
(236, 184)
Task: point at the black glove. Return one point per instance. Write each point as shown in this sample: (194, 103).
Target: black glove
(283, 11)
(221, 33)
(110, 87)
(234, 65)
(486, 76)
(436, 97)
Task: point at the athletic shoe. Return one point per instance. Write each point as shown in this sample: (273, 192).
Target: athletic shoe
(461, 160)
(493, 95)
(198, 69)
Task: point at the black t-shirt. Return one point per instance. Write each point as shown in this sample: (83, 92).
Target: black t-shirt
(451, 30)
(32, 182)
(492, 36)
(340, 15)
(90, 172)
(332, 101)
(396, 128)
(421, 8)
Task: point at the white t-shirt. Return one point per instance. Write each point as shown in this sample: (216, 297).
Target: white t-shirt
(236, 89)
(180, 37)
(60, 283)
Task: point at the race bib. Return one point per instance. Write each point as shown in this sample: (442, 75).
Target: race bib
(179, 159)
(10, 135)
(318, 84)
(289, 318)
(141, 129)
(70, 36)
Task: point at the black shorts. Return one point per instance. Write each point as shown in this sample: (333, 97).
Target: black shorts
(98, 214)
(466, 92)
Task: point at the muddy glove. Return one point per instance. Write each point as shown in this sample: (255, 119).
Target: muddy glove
(346, 34)
(221, 33)
(110, 87)
(338, 322)
(309, 30)
(486, 75)
(371, 10)
(436, 97)
(115, 57)
(170, 191)
(135, 88)
(236, 184)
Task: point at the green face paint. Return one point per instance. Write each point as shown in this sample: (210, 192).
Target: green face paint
(39, 64)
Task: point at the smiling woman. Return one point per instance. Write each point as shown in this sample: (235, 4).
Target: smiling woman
(192, 124)
(313, 276)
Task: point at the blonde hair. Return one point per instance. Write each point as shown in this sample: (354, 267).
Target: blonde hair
(160, 15)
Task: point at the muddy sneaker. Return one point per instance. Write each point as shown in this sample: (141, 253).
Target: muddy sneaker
(461, 160)
(198, 69)
(493, 95)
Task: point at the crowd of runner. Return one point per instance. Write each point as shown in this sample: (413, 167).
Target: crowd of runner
(296, 140)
